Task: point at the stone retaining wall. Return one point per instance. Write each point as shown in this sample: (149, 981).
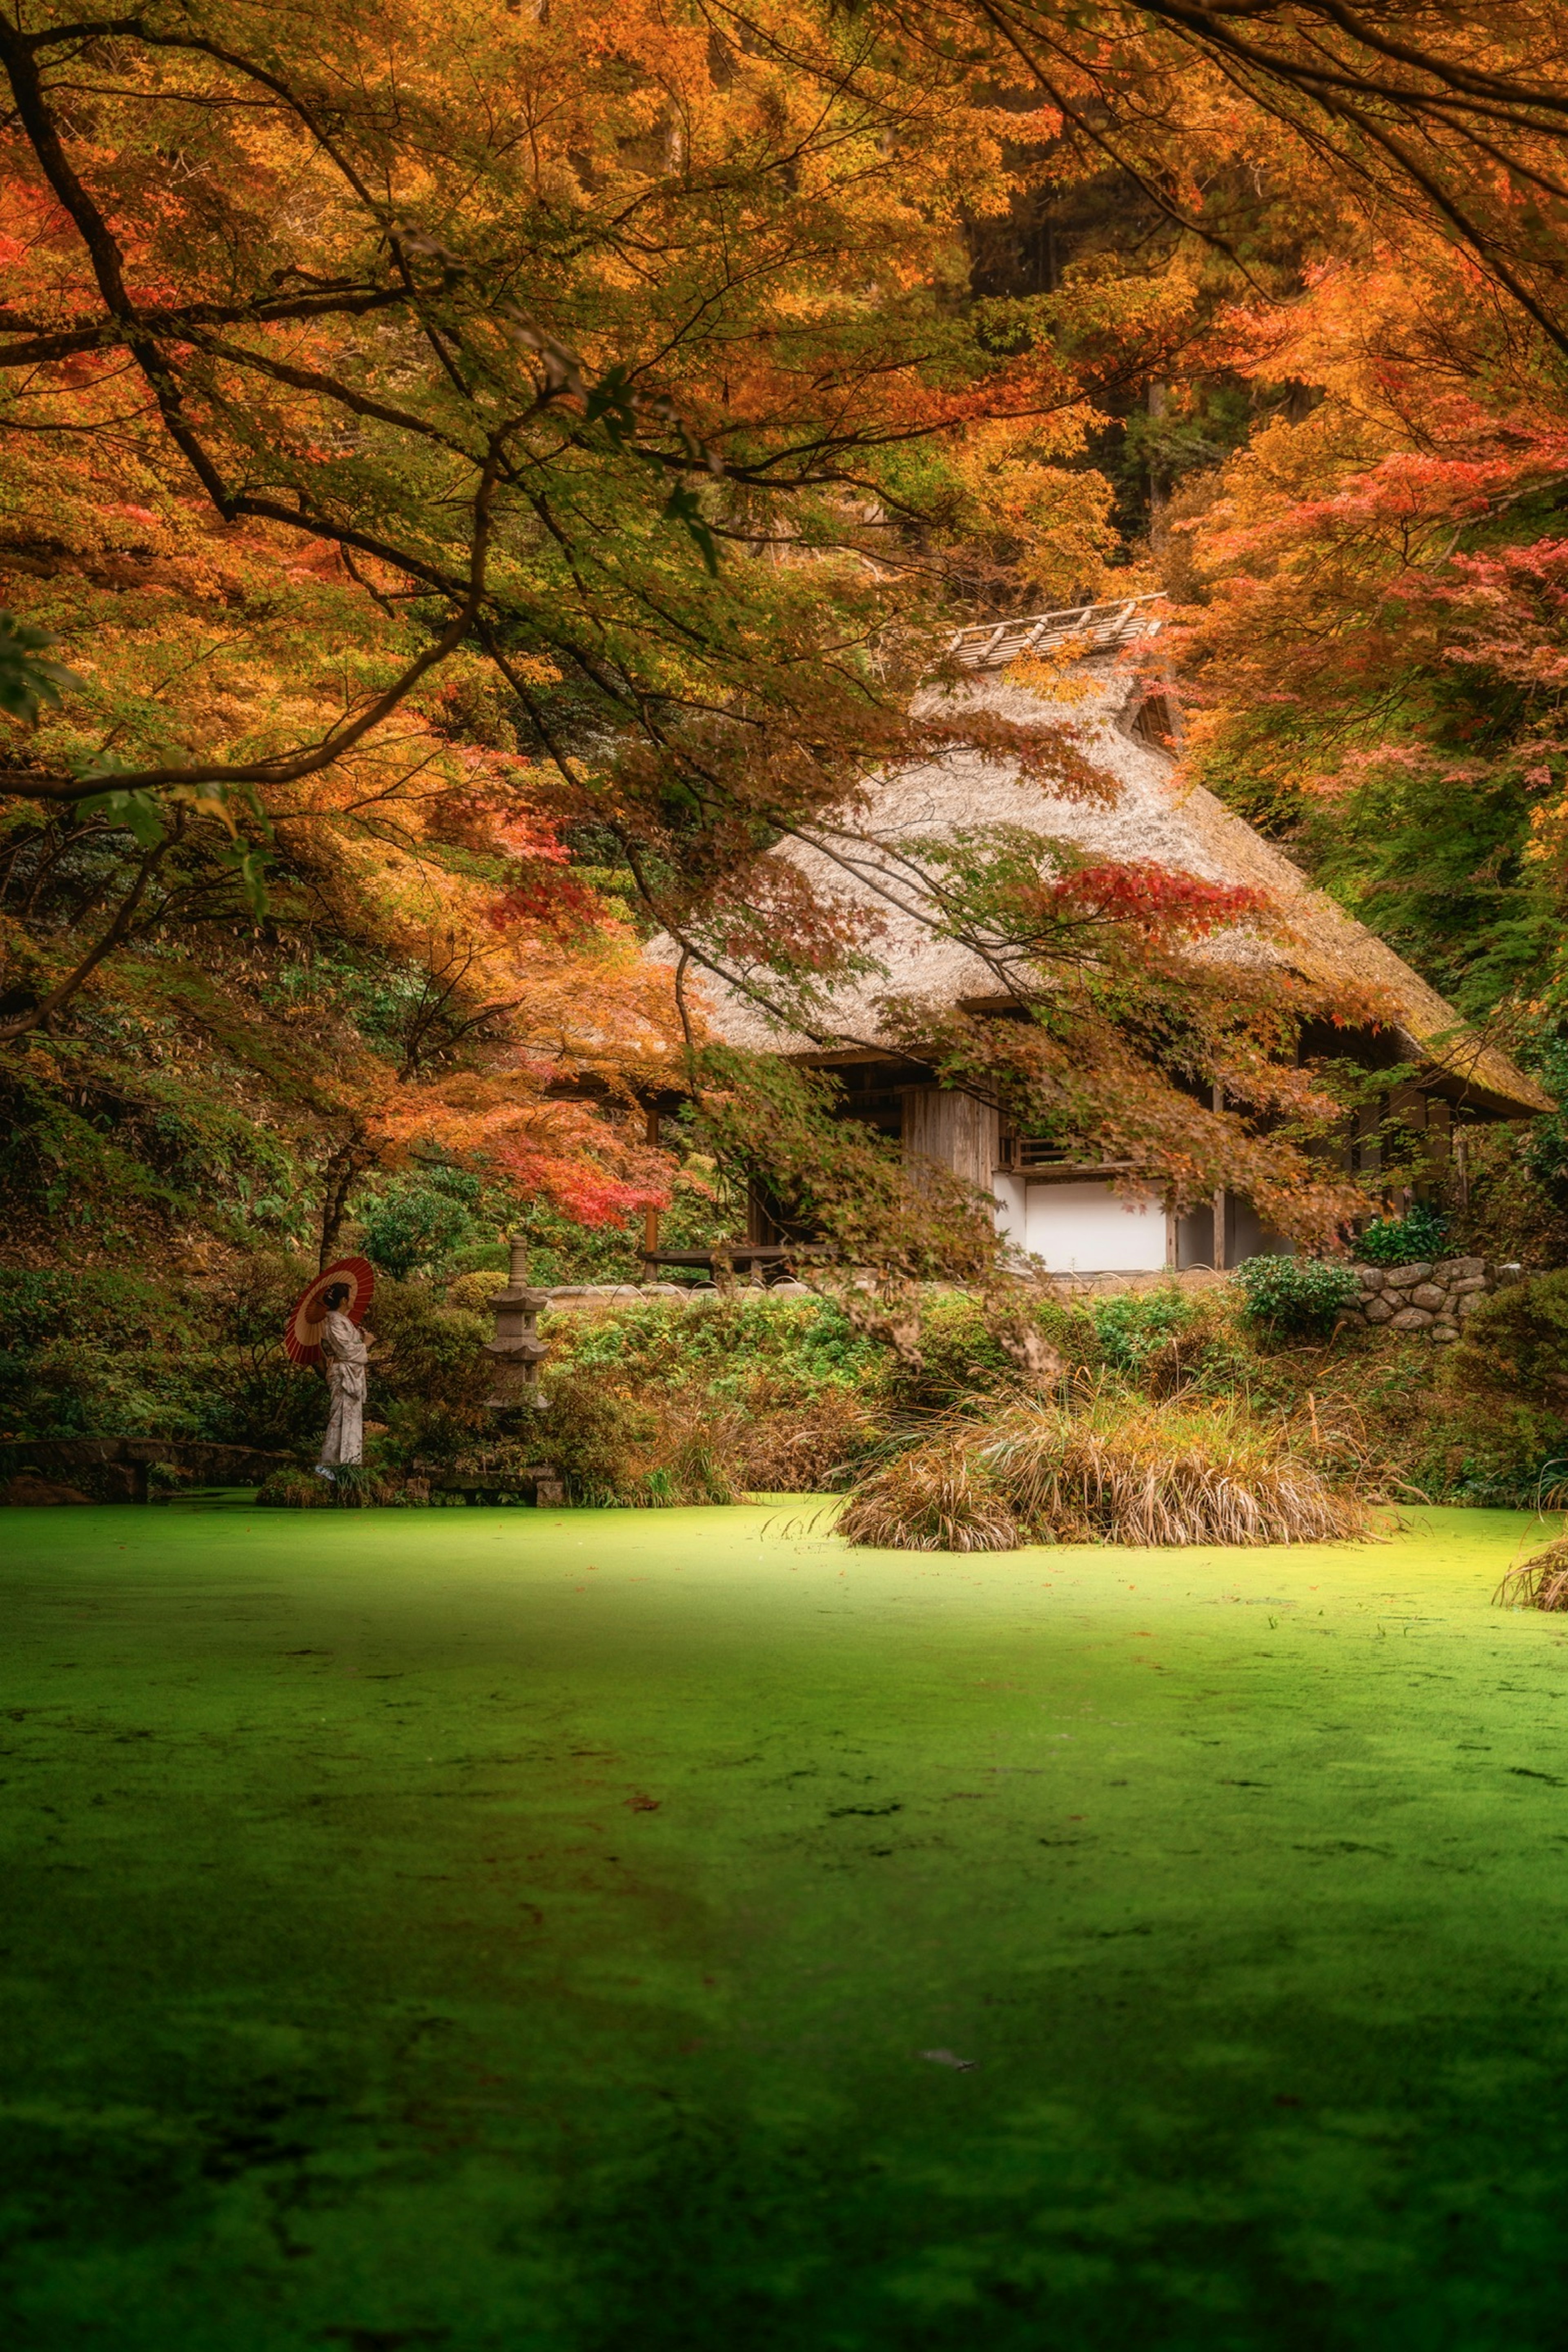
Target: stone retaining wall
(123, 1469)
(594, 1298)
(1435, 1299)
(1432, 1298)
(599, 1298)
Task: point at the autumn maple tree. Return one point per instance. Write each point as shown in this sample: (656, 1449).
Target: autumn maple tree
(1375, 640)
(402, 476)
(475, 485)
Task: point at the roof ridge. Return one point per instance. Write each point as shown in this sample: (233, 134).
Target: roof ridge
(991, 645)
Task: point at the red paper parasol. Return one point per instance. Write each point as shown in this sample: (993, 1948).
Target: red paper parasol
(303, 1332)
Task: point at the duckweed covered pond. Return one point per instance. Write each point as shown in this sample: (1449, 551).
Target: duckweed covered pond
(562, 1932)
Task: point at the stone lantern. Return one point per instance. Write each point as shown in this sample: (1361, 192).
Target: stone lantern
(517, 1349)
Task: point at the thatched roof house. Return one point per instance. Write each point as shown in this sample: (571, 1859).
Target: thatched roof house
(1073, 1216)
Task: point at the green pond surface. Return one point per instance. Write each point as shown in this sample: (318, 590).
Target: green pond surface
(513, 1931)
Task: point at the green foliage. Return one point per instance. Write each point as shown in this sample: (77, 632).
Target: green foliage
(960, 1354)
(98, 1141)
(295, 1490)
(765, 1119)
(350, 1488)
(1139, 1324)
(1444, 876)
(967, 1344)
(28, 682)
(445, 1222)
(416, 1223)
(648, 1448)
(1296, 1297)
(1516, 1208)
(100, 1353)
(103, 1354)
(1491, 1451)
(1546, 1152)
(722, 1342)
(1517, 1340)
(670, 1402)
(1420, 1233)
(475, 1257)
(1488, 1424)
(356, 1487)
(560, 1250)
(429, 1376)
(1147, 453)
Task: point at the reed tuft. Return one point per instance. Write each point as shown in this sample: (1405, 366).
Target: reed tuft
(935, 1498)
(1110, 1470)
(1539, 1583)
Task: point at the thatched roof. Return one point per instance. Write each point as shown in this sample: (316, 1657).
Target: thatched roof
(1151, 816)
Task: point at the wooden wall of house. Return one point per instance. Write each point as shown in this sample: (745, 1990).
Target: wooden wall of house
(954, 1131)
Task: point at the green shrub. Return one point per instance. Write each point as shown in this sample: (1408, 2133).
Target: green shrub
(295, 1490)
(478, 1257)
(661, 1402)
(647, 1447)
(1517, 1340)
(104, 1354)
(1166, 1343)
(474, 1291)
(356, 1485)
(1296, 1297)
(1493, 1453)
(1136, 1325)
(724, 1343)
(962, 1353)
(962, 1346)
(1404, 1241)
(419, 1220)
(352, 1486)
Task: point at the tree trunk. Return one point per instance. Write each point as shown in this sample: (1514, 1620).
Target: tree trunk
(343, 1170)
(1158, 402)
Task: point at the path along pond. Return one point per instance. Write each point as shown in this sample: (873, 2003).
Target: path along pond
(511, 1931)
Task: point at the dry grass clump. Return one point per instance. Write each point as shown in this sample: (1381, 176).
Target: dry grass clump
(1539, 1583)
(802, 1448)
(1114, 1470)
(1174, 1474)
(935, 1498)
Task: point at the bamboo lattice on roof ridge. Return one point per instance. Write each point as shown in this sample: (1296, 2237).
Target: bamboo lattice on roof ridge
(992, 644)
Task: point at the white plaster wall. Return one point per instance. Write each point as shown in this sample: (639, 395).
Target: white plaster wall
(1085, 1228)
(1010, 1195)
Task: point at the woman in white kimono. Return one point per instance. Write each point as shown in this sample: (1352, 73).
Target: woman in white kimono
(347, 1352)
